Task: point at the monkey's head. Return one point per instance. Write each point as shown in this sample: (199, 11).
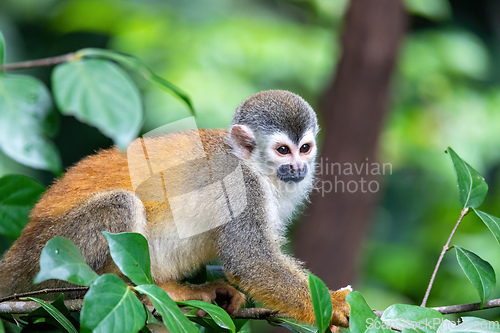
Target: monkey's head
(276, 130)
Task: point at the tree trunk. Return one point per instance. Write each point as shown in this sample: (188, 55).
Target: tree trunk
(353, 108)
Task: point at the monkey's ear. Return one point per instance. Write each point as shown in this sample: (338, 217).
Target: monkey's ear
(242, 140)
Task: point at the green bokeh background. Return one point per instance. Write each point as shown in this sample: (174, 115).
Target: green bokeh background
(445, 92)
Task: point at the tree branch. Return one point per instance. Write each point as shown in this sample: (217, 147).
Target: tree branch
(24, 307)
(449, 309)
(494, 303)
(43, 291)
(257, 313)
(20, 306)
(40, 62)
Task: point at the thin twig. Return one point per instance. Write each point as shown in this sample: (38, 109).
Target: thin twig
(445, 248)
(44, 291)
(494, 303)
(40, 62)
(449, 309)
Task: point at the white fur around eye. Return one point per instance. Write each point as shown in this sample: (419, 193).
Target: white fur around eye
(280, 139)
(308, 138)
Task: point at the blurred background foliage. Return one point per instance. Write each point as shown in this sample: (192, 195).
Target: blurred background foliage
(446, 92)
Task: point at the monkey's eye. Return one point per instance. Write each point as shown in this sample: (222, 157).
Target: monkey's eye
(283, 150)
(305, 148)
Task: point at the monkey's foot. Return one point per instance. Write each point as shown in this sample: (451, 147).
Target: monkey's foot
(222, 293)
(341, 309)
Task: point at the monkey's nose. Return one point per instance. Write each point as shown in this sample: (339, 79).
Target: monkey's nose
(297, 168)
(290, 173)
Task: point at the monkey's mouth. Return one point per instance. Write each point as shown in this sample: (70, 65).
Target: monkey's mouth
(287, 173)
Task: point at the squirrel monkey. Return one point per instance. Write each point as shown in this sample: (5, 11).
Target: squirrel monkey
(195, 195)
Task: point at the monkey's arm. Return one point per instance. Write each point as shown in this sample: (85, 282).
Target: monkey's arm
(255, 263)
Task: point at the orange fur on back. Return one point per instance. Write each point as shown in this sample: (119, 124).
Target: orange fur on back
(109, 169)
(104, 171)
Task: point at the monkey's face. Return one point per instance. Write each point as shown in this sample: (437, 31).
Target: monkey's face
(286, 158)
(291, 160)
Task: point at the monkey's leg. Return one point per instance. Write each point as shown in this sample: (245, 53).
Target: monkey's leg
(222, 293)
(253, 261)
(113, 211)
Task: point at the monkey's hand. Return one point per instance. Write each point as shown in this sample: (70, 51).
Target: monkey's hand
(222, 293)
(340, 314)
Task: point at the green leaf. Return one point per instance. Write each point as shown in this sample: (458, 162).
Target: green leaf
(18, 194)
(412, 317)
(111, 306)
(481, 324)
(220, 317)
(471, 185)
(139, 67)
(130, 252)
(61, 259)
(322, 302)
(479, 272)
(292, 325)
(99, 93)
(151, 319)
(25, 106)
(362, 318)
(172, 316)
(212, 327)
(470, 325)
(492, 222)
(205, 322)
(59, 305)
(43, 317)
(12, 325)
(56, 314)
(242, 325)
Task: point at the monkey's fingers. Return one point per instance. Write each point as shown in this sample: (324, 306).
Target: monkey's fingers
(221, 293)
(341, 309)
(229, 298)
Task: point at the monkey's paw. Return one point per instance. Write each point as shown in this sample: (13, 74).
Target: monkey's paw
(222, 293)
(341, 309)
